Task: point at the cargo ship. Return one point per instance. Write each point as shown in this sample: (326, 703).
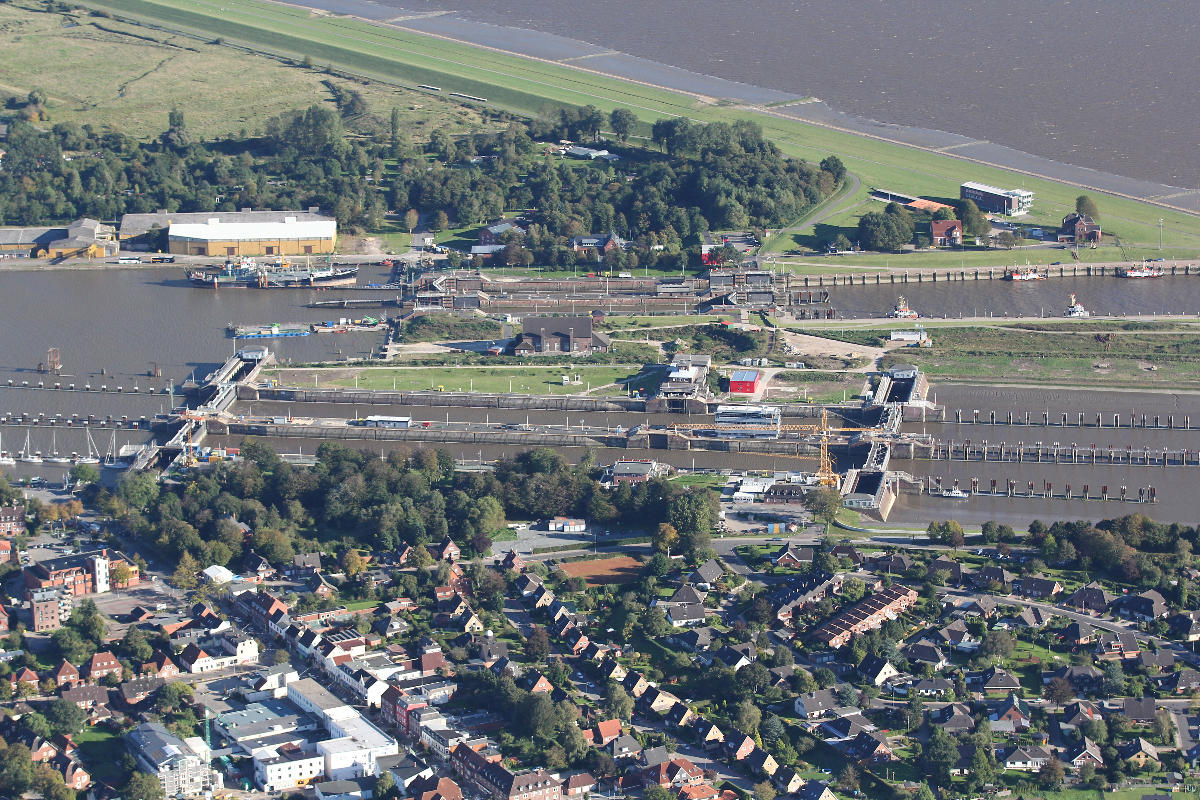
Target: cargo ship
(1026, 274)
(1145, 271)
(278, 275)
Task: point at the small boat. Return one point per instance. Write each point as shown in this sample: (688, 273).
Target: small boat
(955, 494)
(92, 456)
(1023, 274)
(902, 311)
(28, 456)
(1145, 271)
(1076, 309)
(54, 457)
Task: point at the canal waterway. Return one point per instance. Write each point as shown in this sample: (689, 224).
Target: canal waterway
(112, 327)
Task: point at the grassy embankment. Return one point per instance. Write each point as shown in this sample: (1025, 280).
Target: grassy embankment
(1090, 355)
(112, 74)
(530, 86)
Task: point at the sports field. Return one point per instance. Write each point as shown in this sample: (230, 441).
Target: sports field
(620, 569)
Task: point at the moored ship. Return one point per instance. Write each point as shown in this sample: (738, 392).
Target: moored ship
(1023, 274)
(902, 311)
(247, 273)
(1144, 271)
(1076, 309)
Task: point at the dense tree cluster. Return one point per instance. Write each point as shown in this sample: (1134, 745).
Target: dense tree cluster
(352, 498)
(717, 176)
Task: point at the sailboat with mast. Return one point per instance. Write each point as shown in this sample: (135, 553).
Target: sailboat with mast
(27, 455)
(6, 460)
(92, 456)
(54, 457)
(110, 458)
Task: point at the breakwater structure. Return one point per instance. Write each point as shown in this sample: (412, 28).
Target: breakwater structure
(1044, 490)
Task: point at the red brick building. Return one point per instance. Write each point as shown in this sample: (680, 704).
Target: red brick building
(946, 232)
(12, 520)
(101, 665)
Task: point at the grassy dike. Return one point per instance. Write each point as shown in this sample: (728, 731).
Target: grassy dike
(528, 86)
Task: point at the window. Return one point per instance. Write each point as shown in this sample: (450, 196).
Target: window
(308, 248)
(270, 250)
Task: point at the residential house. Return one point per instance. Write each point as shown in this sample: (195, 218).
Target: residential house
(924, 652)
(869, 746)
(681, 615)
(989, 576)
(101, 665)
(1185, 625)
(1026, 758)
(624, 747)
(787, 780)
(814, 705)
(1079, 229)
(946, 232)
(674, 773)
(448, 550)
(994, 680)
(953, 718)
(1076, 714)
(1078, 633)
(65, 674)
(1092, 597)
(1036, 587)
(513, 561)
(877, 671)
(1138, 710)
(1085, 752)
(954, 571)
(793, 557)
(1015, 712)
(1139, 752)
(815, 790)
(1145, 607)
(1185, 681)
(761, 762)
(892, 564)
(580, 784)
(707, 575)
(958, 636)
(1121, 645)
(738, 745)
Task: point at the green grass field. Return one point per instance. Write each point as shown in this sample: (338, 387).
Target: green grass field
(102, 750)
(530, 86)
(520, 380)
(126, 77)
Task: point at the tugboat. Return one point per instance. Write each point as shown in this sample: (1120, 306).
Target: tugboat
(1023, 274)
(902, 311)
(1076, 309)
(1144, 271)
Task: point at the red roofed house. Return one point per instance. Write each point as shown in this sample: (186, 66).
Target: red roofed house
(102, 665)
(160, 666)
(579, 784)
(25, 677)
(65, 674)
(8, 554)
(674, 773)
(74, 774)
(449, 551)
(603, 733)
(946, 232)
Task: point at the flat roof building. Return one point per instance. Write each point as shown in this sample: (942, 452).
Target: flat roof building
(83, 238)
(995, 199)
(234, 233)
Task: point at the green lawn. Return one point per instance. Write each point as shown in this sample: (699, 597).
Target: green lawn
(529, 86)
(517, 379)
(361, 604)
(102, 750)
